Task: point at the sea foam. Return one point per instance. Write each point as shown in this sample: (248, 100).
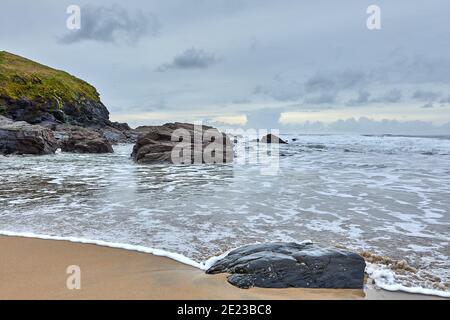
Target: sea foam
(385, 278)
(157, 252)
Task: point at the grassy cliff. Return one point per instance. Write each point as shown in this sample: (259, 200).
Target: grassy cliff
(23, 78)
(33, 92)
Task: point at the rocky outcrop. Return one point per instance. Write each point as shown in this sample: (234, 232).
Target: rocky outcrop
(271, 138)
(35, 93)
(81, 140)
(299, 265)
(37, 111)
(38, 94)
(156, 144)
(23, 138)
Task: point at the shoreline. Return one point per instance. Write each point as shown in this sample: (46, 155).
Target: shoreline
(33, 268)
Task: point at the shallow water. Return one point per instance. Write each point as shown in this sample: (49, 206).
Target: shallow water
(387, 195)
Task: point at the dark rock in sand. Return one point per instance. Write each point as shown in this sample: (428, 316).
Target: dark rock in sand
(81, 140)
(155, 143)
(23, 138)
(299, 265)
(271, 138)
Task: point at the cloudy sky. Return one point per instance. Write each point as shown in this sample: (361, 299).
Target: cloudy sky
(299, 66)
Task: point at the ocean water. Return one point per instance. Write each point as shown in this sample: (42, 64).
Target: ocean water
(387, 196)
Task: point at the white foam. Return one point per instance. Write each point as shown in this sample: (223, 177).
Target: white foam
(157, 252)
(211, 261)
(385, 279)
(169, 188)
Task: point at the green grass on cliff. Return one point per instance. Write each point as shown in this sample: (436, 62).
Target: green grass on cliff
(22, 78)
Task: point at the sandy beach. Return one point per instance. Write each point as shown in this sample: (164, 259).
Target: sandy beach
(36, 269)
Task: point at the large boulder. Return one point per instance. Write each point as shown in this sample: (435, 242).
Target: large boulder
(299, 265)
(81, 140)
(155, 144)
(23, 138)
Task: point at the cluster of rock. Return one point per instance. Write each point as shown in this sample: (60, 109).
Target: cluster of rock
(43, 109)
(154, 144)
(286, 265)
(20, 137)
(195, 144)
(82, 115)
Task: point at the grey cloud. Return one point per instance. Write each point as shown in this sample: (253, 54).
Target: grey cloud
(153, 105)
(326, 87)
(445, 100)
(414, 68)
(363, 98)
(370, 126)
(241, 101)
(308, 126)
(324, 98)
(335, 81)
(365, 125)
(264, 118)
(429, 105)
(319, 83)
(281, 89)
(362, 125)
(319, 89)
(318, 64)
(392, 96)
(112, 24)
(279, 93)
(191, 59)
(428, 96)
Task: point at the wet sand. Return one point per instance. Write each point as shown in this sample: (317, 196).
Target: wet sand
(36, 269)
